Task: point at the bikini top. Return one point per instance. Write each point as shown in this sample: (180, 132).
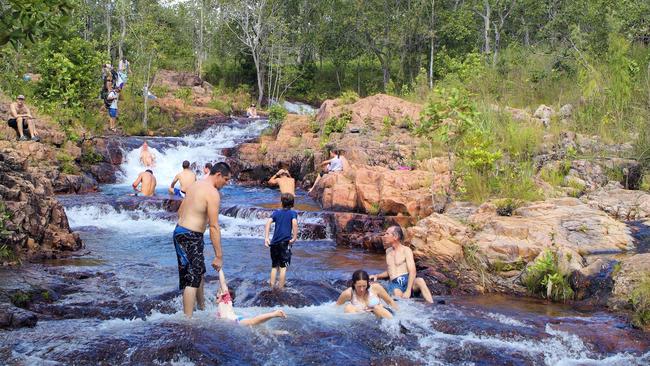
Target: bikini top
(373, 300)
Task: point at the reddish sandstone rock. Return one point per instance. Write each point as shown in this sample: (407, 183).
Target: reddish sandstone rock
(438, 236)
(37, 224)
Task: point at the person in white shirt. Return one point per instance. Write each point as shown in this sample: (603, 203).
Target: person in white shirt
(112, 97)
(336, 163)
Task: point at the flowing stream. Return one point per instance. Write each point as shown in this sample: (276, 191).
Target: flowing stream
(118, 302)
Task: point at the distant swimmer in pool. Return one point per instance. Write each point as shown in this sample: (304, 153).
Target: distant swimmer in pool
(147, 158)
(284, 180)
(147, 183)
(186, 177)
(206, 170)
(225, 310)
(365, 297)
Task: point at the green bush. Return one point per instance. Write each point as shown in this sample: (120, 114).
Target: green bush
(640, 300)
(277, 114)
(544, 278)
(66, 163)
(348, 97)
(337, 124)
(221, 105)
(506, 206)
(21, 299)
(91, 157)
(5, 215)
(184, 94)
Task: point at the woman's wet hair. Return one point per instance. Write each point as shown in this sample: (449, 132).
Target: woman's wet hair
(287, 200)
(359, 275)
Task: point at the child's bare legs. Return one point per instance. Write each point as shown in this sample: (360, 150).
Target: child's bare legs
(273, 273)
(283, 275)
(256, 320)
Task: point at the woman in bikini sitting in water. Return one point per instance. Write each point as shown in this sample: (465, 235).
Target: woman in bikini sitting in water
(365, 297)
(225, 310)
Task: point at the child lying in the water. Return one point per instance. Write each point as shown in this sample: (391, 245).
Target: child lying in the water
(225, 310)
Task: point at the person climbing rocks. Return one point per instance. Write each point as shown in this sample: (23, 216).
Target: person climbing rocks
(112, 98)
(336, 163)
(147, 158)
(22, 119)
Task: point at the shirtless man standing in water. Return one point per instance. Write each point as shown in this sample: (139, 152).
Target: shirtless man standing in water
(200, 206)
(283, 179)
(146, 157)
(148, 182)
(401, 267)
(186, 177)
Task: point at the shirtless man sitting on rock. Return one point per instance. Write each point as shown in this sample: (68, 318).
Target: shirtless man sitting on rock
(148, 182)
(186, 177)
(146, 157)
(283, 179)
(21, 119)
(401, 267)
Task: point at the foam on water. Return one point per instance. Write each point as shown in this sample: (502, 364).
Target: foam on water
(199, 149)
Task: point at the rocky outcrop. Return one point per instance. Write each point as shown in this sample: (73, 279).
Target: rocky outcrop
(37, 225)
(438, 237)
(621, 204)
(563, 223)
(364, 231)
(628, 278)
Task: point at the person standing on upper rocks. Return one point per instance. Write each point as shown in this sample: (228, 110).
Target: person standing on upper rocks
(21, 119)
(112, 97)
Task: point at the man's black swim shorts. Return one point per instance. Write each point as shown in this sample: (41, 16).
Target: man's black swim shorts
(189, 252)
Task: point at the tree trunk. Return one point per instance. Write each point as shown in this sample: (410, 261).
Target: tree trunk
(199, 59)
(146, 94)
(260, 78)
(108, 28)
(433, 13)
(120, 45)
(486, 27)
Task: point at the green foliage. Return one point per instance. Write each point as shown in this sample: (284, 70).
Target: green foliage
(21, 299)
(552, 176)
(221, 105)
(69, 75)
(91, 157)
(374, 209)
(66, 163)
(387, 125)
(506, 206)
(499, 266)
(277, 115)
(23, 22)
(337, 124)
(184, 94)
(640, 300)
(348, 97)
(544, 278)
(5, 215)
(313, 125)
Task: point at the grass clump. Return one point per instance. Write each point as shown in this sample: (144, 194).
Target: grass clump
(337, 124)
(640, 300)
(184, 94)
(21, 299)
(221, 105)
(543, 278)
(91, 157)
(348, 97)
(506, 206)
(277, 115)
(66, 163)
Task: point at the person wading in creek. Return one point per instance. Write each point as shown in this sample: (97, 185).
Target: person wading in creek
(284, 180)
(200, 206)
(186, 177)
(148, 182)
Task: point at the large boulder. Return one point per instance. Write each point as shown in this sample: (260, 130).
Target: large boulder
(561, 223)
(438, 237)
(633, 271)
(364, 231)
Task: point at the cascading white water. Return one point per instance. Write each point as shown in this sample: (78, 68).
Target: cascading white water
(197, 149)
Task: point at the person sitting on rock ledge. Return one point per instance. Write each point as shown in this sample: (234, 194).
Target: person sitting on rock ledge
(148, 182)
(284, 180)
(364, 297)
(186, 177)
(21, 119)
(251, 112)
(401, 267)
(336, 163)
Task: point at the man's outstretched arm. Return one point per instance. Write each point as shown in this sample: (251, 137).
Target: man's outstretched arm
(215, 230)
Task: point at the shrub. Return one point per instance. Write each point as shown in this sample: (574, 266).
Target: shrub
(91, 157)
(348, 97)
(184, 94)
(21, 299)
(5, 215)
(337, 124)
(277, 114)
(66, 163)
(544, 278)
(506, 206)
(387, 125)
(374, 209)
(221, 105)
(640, 300)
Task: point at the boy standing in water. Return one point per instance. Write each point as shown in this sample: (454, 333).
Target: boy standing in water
(284, 235)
